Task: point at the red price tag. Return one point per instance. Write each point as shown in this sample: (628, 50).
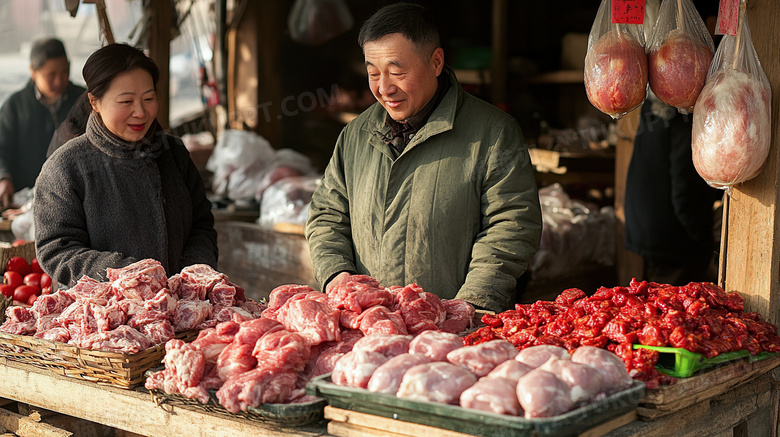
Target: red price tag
(628, 11)
(728, 18)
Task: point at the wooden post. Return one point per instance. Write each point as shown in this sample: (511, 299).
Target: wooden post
(752, 246)
(498, 69)
(628, 264)
(160, 52)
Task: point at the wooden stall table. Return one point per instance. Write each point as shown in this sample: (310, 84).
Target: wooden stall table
(128, 410)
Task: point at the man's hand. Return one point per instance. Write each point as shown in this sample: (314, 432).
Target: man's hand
(6, 193)
(336, 281)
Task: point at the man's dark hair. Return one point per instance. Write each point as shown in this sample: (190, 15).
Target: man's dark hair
(410, 20)
(108, 62)
(44, 50)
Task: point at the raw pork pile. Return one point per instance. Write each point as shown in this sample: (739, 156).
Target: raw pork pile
(539, 381)
(302, 334)
(137, 308)
(699, 317)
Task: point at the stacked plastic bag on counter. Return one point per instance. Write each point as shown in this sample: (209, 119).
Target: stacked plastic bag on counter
(574, 235)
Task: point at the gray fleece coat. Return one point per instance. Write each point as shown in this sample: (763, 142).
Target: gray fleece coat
(102, 202)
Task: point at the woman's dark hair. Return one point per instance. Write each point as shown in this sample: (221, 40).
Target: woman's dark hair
(410, 20)
(112, 60)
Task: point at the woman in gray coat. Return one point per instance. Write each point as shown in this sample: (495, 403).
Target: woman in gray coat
(124, 190)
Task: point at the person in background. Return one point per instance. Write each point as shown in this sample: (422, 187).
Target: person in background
(29, 117)
(430, 185)
(124, 190)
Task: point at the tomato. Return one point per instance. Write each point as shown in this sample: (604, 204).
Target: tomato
(22, 293)
(7, 290)
(14, 279)
(33, 279)
(44, 290)
(35, 267)
(32, 299)
(45, 281)
(18, 264)
(19, 242)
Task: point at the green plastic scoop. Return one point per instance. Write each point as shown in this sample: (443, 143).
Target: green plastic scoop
(682, 363)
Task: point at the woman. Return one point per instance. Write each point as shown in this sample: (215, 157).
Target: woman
(124, 190)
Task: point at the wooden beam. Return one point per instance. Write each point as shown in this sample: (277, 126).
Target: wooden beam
(128, 409)
(24, 426)
(160, 52)
(752, 243)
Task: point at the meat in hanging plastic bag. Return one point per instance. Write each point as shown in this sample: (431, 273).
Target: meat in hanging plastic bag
(679, 54)
(732, 122)
(615, 64)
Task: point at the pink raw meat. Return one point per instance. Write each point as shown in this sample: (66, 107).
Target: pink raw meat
(140, 280)
(616, 74)
(123, 339)
(174, 285)
(325, 355)
(144, 316)
(388, 345)
(421, 310)
(255, 387)
(358, 292)
(678, 69)
(732, 129)
(535, 356)
(480, 359)
(89, 288)
(280, 294)
(189, 314)
(355, 368)
(108, 317)
(210, 344)
(282, 351)
(251, 330)
(47, 322)
(436, 382)
(252, 307)
(235, 359)
(197, 281)
(164, 301)
(222, 314)
(78, 319)
(223, 293)
(512, 370)
(497, 395)
(158, 332)
(584, 381)
(379, 319)
(459, 316)
(542, 394)
(310, 316)
(435, 345)
(18, 321)
(53, 303)
(611, 367)
(387, 377)
(54, 334)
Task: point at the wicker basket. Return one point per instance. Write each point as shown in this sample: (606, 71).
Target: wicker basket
(5, 302)
(26, 251)
(288, 415)
(107, 368)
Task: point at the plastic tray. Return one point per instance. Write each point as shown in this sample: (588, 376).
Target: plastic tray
(475, 422)
(681, 363)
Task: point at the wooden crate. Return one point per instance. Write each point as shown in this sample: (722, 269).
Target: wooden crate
(26, 251)
(107, 368)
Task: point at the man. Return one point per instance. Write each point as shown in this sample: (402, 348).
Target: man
(430, 185)
(29, 117)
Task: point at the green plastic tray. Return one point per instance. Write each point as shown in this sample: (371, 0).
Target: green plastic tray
(475, 422)
(681, 363)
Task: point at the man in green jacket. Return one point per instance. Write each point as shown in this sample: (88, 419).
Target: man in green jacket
(430, 185)
(29, 117)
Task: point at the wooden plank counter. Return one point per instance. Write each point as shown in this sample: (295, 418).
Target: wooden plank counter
(128, 410)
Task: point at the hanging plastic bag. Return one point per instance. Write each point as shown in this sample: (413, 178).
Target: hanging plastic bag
(239, 162)
(680, 53)
(313, 22)
(287, 163)
(287, 201)
(615, 65)
(732, 123)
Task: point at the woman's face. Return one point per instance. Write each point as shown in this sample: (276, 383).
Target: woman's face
(129, 105)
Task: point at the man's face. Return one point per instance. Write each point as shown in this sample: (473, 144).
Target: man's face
(400, 77)
(52, 78)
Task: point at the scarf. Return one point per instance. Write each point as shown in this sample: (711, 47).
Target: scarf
(149, 147)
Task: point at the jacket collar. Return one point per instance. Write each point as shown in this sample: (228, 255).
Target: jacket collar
(441, 120)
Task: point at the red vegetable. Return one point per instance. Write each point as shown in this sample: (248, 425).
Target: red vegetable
(45, 281)
(7, 290)
(12, 278)
(22, 293)
(33, 279)
(18, 264)
(35, 267)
